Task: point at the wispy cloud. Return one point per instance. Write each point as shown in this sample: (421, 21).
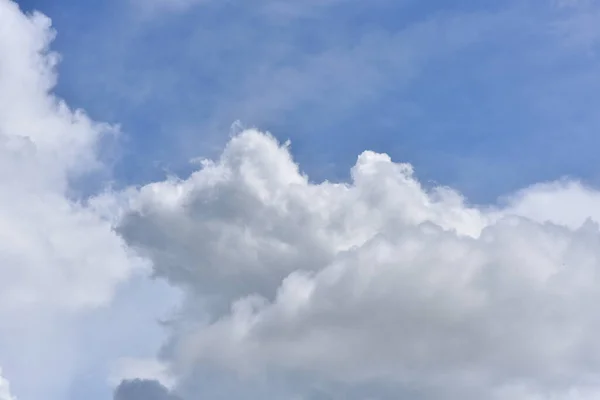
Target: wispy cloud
(445, 78)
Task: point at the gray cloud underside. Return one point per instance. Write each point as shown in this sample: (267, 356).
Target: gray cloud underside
(143, 389)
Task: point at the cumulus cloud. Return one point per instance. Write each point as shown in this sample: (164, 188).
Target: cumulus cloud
(143, 389)
(58, 256)
(379, 280)
(54, 249)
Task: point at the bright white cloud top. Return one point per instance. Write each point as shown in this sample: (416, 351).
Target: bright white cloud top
(379, 281)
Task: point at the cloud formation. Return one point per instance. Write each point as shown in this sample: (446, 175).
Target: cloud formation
(376, 281)
(54, 249)
(58, 256)
(143, 389)
(379, 280)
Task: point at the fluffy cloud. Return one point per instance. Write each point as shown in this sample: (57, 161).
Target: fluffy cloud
(379, 280)
(255, 201)
(143, 389)
(58, 257)
(54, 249)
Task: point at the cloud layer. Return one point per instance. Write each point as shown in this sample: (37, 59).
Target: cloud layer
(379, 280)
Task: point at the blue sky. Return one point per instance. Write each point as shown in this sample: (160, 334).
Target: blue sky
(485, 96)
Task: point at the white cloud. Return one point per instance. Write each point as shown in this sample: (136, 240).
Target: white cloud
(58, 257)
(5, 389)
(564, 202)
(54, 250)
(256, 202)
(377, 280)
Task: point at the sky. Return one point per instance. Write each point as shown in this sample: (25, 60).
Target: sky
(310, 200)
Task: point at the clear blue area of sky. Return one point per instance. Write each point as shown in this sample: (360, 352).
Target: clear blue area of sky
(484, 96)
